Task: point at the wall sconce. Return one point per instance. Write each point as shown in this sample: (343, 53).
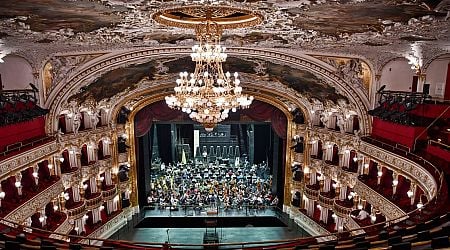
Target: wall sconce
(394, 182)
(380, 173)
(61, 159)
(410, 193)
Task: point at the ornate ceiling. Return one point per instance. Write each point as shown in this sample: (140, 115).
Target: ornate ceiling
(348, 27)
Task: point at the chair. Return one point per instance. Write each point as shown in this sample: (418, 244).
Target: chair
(440, 242)
(423, 235)
(401, 246)
(383, 235)
(73, 246)
(362, 244)
(327, 247)
(394, 240)
(12, 245)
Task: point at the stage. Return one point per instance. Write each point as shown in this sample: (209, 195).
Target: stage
(187, 227)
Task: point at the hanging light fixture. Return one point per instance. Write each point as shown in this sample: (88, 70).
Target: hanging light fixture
(208, 94)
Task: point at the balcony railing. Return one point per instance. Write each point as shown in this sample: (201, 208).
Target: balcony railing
(311, 192)
(94, 202)
(37, 202)
(123, 157)
(77, 212)
(325, 201)
(425, 177)
(110, 193)
(340, 209)
(17, 162)
(389, 209)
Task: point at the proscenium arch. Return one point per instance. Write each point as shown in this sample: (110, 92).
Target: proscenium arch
(159, 95)
(105, 63)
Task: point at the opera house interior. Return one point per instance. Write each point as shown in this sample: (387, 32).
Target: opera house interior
(222, 124)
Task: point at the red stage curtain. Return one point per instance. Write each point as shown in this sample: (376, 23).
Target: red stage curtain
(261, 111)
(258, 111)
(156, 111)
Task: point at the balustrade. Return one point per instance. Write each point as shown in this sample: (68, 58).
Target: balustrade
(110, 193)
(312, 192)
(325, 201)
(340, 209)
(78, 211)
(95, 201)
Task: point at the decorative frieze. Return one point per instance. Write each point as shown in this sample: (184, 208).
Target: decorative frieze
(15, 163)
(352, 225)
(402, 165)
(37, 202)
(64, 228)
(389, 209)
(308, 224)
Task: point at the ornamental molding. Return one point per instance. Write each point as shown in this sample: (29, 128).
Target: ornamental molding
(389, 209)
(84, 76)
(62, 230)
(17, 162)
(352, 225)
(68, 179)
(310, 226)
(109, 228)
(36, 203)
(85, 136)
(403, 166)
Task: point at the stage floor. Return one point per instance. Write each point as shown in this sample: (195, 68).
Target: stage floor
(233, 226)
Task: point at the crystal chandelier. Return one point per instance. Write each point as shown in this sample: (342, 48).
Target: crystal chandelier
(208, 94)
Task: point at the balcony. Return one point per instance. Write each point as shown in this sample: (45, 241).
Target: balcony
(37, 202)
(388, 208)
(77, 212)
(312, 192)
(20, 160)
(95, 201)
(326, 200)
(110, 193)
(342, 208)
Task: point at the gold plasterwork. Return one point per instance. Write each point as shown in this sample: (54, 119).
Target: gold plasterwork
(189, 17)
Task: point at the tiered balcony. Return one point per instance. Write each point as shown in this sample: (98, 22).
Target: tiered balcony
(342, 208)
(312, 191)
(326, 200)
(27, 207)
(110, 193)
(78, 211)
(96, 200)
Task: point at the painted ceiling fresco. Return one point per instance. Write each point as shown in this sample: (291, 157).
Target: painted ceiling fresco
(118, 80)
(114, 82)
(361, 27)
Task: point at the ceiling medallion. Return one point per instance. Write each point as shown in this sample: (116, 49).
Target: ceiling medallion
(208, 94)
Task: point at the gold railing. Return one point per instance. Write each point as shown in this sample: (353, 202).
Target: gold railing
(77, 212)
(109, 194)
(326, 201)
(94, 202)
(341, 210)
(311, 193)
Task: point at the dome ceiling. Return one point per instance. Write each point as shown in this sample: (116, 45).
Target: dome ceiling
(353, 27)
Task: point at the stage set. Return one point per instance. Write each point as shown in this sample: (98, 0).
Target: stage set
(198, 187)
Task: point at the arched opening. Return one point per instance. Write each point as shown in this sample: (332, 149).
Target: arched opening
(172, 152)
